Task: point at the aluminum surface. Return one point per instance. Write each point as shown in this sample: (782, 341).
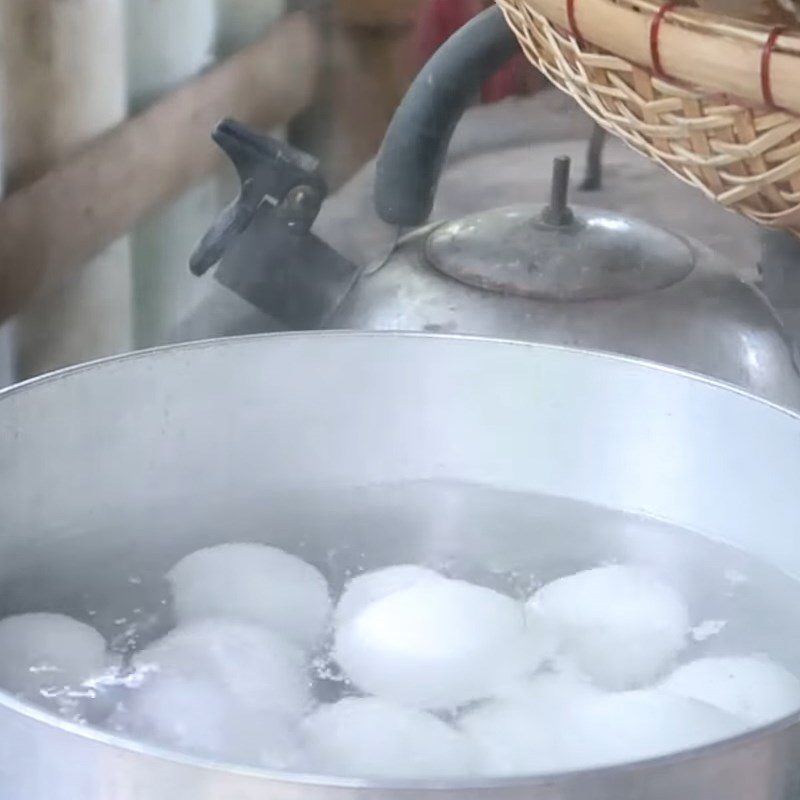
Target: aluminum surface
(87, 454)
(594, 255)
(711, 322)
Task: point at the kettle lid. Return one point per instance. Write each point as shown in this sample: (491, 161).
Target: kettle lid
(556, 252)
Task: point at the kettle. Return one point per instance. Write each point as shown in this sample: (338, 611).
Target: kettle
(549, 273)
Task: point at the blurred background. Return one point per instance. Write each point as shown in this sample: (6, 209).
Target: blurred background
(75, 69)
(111, 178)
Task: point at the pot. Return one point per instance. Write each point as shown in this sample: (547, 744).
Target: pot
(123, 466)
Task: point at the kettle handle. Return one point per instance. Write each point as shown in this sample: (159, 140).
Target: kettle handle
(413, 153)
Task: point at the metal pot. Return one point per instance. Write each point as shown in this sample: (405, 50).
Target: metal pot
(547, 273)
(130, 463)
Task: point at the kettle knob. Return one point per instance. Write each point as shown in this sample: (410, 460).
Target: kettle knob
(557, 212)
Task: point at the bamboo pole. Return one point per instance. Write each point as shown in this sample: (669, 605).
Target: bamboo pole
(48, 229)
(66, 83)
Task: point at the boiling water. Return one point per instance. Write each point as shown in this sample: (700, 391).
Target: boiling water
(113, 577)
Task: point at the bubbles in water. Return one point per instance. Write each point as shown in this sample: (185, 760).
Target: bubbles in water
(255, 583)
(368, 737)
(437, 644)
(707, 629)
(753, 688)
(621, 625)
(465, 680)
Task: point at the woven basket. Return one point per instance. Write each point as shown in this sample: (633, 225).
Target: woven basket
(697, 95)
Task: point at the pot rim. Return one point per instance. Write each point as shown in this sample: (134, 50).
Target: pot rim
(748, 738)
(230, 341)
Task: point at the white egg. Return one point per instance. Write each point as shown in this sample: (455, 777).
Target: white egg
(616, 728)
(514, 739)
(621, 625)
(97, 698)
(754, 688)
(519, 732)
(588, 729)
(365, 589)
(371, 738)
(255, 583)
(246, 662)
(191, 715)
(437, 645)
(47, 657)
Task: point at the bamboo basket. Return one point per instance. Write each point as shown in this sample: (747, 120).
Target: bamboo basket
(715, 102)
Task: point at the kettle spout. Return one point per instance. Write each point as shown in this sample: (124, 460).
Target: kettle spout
(290, 274)
(263, 242)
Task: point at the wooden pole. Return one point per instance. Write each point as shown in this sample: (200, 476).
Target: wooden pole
(48, 229)
(54, 98)
(66, 83)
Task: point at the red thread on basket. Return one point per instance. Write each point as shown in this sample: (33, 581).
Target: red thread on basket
(766, 61)
(573, 22)
(655, 29)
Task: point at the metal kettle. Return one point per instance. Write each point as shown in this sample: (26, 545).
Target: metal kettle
(550, 273)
